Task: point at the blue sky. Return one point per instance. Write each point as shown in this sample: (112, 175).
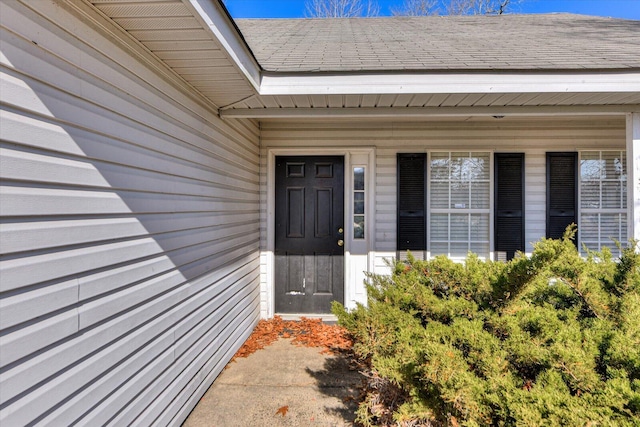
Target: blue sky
(629, 9)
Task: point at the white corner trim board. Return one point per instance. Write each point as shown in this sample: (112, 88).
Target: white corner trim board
(633, 171)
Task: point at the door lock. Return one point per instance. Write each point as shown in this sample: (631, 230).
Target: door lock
(340, 242)
(340, 230)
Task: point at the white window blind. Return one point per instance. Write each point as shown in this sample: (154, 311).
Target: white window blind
(459, 203)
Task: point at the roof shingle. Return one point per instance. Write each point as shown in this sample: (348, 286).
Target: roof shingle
(440, 43)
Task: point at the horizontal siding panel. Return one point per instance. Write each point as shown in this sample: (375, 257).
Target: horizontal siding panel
(22, 166)
(130, 233)
(199, 291)
(123, 395)
(79, 80)
(174, 160)
(20, 201)
(208, 302)
(20, 236)
(162, 348)
(158, 394)
(239, 319)
(85, 375)
(29, 131)
(190, 260)
(91, 394)
(24, 306)
(122, 301)
(113, 124)
(228, 347)
(28, 339)
(98, 310)
(24, 201)
(24, 271)
(189, 333)
(35, 235)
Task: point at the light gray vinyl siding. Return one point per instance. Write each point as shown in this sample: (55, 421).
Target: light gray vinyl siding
(129, 245)
(532, 136)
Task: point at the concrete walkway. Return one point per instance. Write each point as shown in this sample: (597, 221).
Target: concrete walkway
(316, 389)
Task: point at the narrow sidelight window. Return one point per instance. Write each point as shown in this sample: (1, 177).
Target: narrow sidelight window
(358, 202)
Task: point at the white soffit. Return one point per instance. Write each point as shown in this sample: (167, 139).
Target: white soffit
(196, 39)
(211, 15)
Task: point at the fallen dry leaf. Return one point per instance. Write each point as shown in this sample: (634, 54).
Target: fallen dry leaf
(283, 410)
(305, 332)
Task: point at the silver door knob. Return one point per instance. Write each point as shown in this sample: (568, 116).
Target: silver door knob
(340, 242)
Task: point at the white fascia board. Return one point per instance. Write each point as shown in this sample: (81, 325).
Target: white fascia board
(415, 83)
(211, 15)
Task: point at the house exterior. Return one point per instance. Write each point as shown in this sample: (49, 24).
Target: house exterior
(170, 176)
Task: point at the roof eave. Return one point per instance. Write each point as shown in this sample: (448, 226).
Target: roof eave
(213, 15)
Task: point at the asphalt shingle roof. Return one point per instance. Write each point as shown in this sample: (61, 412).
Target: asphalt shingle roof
(440, 43)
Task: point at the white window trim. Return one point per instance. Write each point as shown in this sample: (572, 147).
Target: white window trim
(490, 210)
(602, 241)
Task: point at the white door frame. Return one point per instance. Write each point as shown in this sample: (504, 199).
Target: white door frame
(357, 156)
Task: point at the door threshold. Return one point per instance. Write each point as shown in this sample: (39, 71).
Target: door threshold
(326, 318)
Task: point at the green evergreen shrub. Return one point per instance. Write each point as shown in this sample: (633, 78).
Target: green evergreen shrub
(549, 339)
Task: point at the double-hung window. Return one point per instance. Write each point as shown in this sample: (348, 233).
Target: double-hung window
(459, 203)
(603, 199)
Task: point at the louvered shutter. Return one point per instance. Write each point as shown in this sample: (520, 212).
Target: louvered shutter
(562, 186)
(411, 202)
(509, 203)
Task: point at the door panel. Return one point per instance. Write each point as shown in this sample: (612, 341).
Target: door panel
(309, 263)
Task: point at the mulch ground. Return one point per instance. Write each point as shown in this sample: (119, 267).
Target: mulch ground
(305, 332)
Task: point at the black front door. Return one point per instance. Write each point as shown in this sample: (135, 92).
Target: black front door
(309, 252)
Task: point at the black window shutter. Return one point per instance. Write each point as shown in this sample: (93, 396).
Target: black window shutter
(412, 187)
(509, 203)
(562, 192)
